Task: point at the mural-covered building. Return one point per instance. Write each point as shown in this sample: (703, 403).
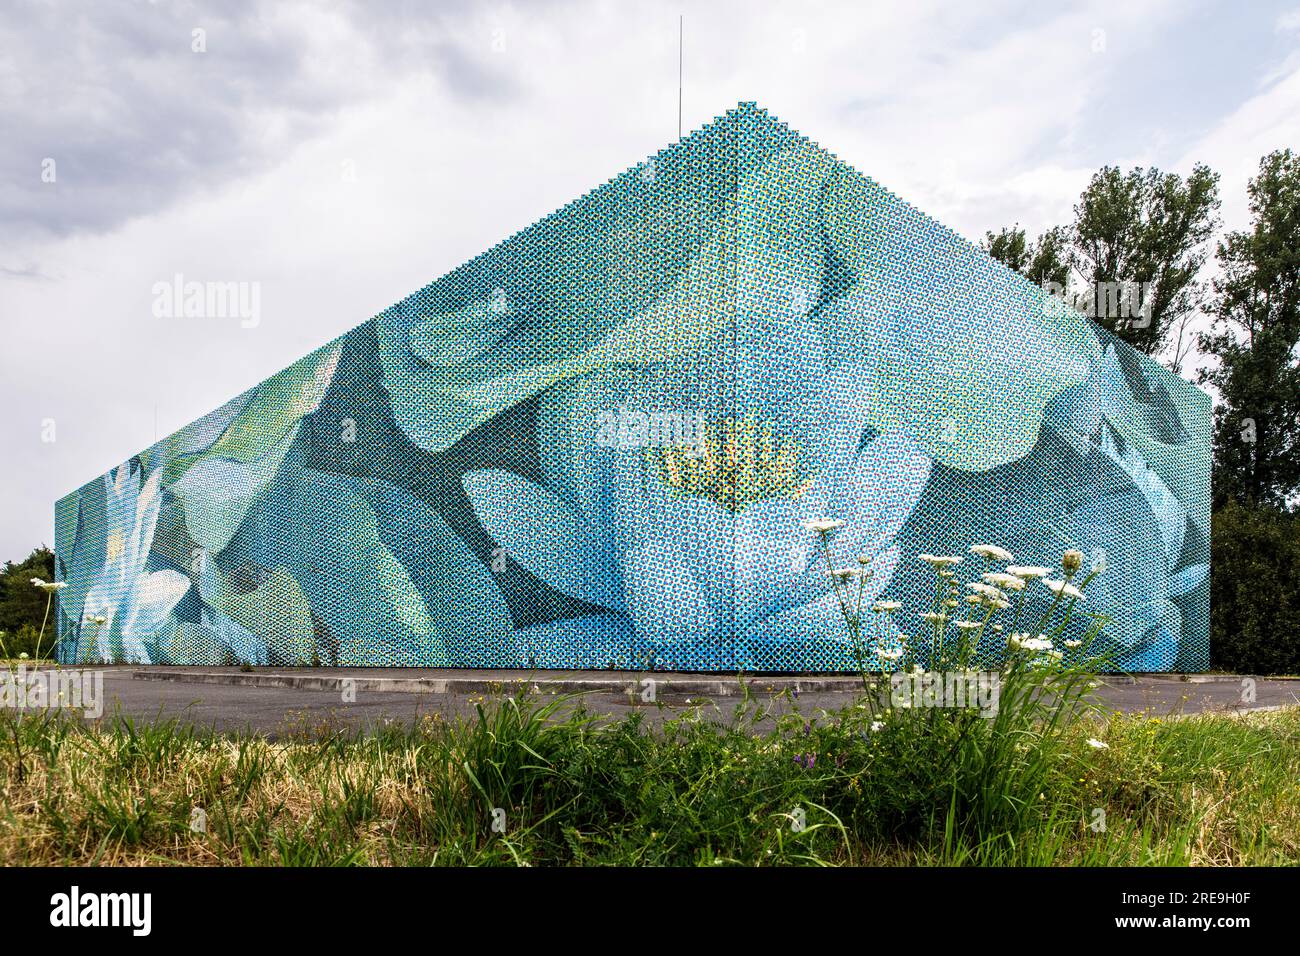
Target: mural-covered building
(595, 444)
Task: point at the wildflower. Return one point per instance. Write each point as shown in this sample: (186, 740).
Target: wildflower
(969, 625)
(988, 590)
(940, 561)
(889, 654)
(877, 726)
(1028, 571)
(950, 603)
(845, 574)
(1008, 582)
(1023, 642)
(1063, 589)
(1072, 644)
(48, 586)
(992, 552)
(22, 656)
(932, 618)
(822, 525)
(1096, 744)
(1071, 561)
(887, 607)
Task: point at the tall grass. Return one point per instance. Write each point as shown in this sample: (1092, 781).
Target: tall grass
(564, 788)
(1041, 778)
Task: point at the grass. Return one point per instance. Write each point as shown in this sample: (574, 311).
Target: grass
(527, 781)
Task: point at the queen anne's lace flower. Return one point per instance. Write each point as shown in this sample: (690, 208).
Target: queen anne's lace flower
(823, 525)
(1063, 589)
(992, 552)
(1035, 645)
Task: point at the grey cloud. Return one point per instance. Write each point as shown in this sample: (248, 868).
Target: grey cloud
(134, 120)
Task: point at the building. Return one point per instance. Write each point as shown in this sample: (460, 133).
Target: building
(594, 445)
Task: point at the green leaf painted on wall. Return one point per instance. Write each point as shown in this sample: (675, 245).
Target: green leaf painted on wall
(217, 493)
(392, 582)
(277, 610)
(276, 406)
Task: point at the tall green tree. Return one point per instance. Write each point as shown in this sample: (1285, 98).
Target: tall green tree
(1145, 226)
(20, 602)
(1255, 338)
(1042, 262)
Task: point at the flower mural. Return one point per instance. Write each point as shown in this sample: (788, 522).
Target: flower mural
(602, 444)
(129, 603)
(700, 552)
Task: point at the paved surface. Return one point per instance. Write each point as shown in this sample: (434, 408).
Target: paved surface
(283, 702)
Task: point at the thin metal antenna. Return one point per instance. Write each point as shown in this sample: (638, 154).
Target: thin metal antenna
(681, 33)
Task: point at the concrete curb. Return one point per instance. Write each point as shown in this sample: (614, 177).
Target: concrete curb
(629, 684)
(1212, 678)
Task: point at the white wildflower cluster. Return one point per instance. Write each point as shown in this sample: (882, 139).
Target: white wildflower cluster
(823, 525)
(1063, 589)
(1028, 572)
(1000, 584)
(1005, 581)
(992, 552)
(1034, 645)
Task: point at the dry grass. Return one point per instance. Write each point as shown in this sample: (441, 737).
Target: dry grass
(1208, 790)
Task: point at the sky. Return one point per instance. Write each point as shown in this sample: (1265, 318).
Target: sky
(338, 156)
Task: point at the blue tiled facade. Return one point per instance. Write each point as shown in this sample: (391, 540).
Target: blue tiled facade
(595, 444)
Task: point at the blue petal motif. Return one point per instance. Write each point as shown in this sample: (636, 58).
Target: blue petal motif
(545, 535)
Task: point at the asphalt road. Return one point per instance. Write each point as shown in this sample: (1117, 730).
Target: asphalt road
(281, 711)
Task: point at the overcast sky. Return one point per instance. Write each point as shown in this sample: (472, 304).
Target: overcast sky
(342, 155)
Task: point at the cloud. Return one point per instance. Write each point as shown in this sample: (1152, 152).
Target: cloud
(134, 106)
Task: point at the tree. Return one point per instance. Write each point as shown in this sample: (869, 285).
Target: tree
(1146, 227)
(1042, 262)
(1049, 260)
(20, 602)
(1255, 336)
(1255, 590)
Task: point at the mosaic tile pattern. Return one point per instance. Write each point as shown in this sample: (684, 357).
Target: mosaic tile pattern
(594, 446)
